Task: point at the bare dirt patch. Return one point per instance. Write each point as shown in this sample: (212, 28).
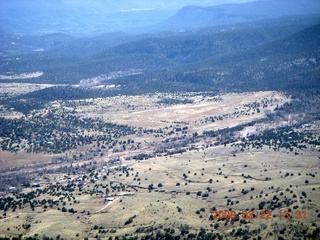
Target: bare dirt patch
(9, 159)
(143, 111)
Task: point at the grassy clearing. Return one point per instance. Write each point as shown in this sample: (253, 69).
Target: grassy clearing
(178, 190)
(155, 208)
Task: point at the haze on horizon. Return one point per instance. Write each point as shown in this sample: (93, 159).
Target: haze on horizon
(89, 17)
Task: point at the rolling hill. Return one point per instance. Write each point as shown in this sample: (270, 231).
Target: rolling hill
(73, 60)
(191, 17)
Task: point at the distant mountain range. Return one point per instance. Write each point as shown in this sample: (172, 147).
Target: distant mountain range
(80, 19)
(281, 53)
(191, 17)
(260, 45)
(39, 17)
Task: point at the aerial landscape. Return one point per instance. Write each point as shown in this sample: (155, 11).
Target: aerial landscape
(160, 119)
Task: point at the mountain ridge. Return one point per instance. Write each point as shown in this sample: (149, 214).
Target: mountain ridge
(190, 58)
(191, 17)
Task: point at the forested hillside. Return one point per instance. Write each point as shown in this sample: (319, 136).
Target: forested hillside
(278, 54)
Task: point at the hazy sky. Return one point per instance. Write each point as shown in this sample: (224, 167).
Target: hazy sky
(96, 16)
(117, 5)
(135, 5)
(45, 16)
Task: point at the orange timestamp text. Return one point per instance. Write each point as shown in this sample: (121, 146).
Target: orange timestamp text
(258, 214)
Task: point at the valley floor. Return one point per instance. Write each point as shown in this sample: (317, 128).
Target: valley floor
(194, 165)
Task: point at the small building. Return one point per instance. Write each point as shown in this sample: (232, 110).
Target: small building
(124, 167)
(23, 145)
(126, 194)
(200, 147)
(109, 199)
(11, 189)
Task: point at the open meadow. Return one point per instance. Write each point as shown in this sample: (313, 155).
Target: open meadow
(179, 192)
(180, 173)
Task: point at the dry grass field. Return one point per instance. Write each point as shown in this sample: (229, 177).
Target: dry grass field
(160, 206)
(14, 89)
(145, 111)
(9, 159)
(171, 193)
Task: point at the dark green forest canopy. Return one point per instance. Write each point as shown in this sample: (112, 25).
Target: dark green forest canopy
(215, 56)
(281, 54)
(58, 131)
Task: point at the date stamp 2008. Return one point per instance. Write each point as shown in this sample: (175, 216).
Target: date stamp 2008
(258, 214)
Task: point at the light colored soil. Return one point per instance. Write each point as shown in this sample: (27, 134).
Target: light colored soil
(146, 113)
(9, 159)
(13, 89)
(154, 208)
